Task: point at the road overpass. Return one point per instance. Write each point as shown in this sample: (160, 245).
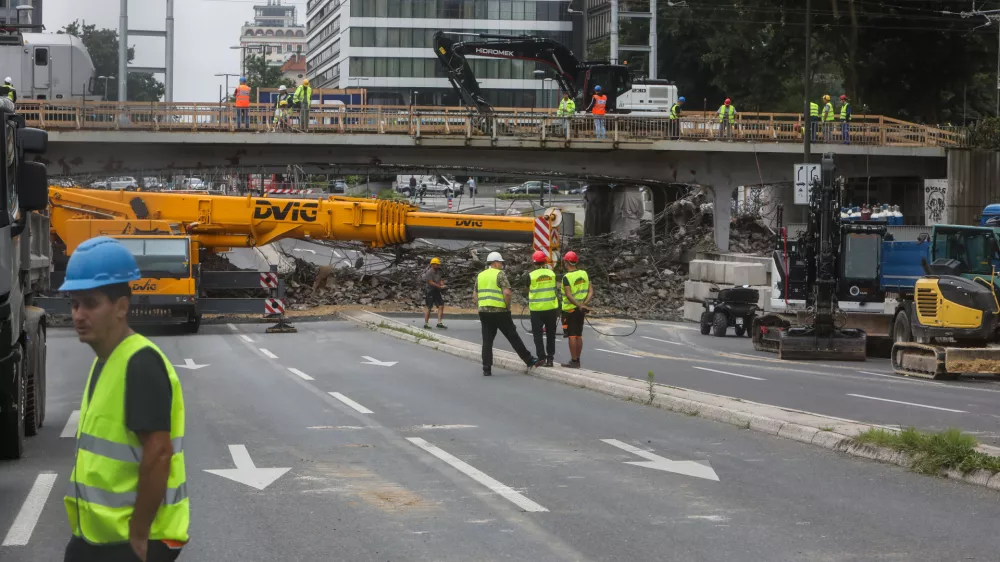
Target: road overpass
(111, 139)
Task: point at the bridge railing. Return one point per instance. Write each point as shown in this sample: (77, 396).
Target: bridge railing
(874, 130)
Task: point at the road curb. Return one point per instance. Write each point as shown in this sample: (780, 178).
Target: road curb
(828, 432)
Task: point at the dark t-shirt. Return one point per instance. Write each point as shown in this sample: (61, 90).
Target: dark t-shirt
(148, 396)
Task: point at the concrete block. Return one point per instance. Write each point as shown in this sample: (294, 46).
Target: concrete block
(699, 270)
(748, 274)
(716, 273)
(692, 311)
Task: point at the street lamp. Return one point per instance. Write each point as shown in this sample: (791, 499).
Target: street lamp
(357, 84)
(534, 98)
(548, 98)
(413, 98)
(243, 53)
(227, 75)
(105, 78)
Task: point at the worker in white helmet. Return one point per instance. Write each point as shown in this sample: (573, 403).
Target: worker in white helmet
(492, 294)
(7, 90)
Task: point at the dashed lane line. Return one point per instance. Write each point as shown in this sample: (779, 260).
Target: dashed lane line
(233, 327)
(616, 352)
(908, 403)
(663, 341)
(351, 403)
(246, 338)
(70, 429)
(24, 524)
(465, 468)
(300, 374)
(728, 373)
(267, 353)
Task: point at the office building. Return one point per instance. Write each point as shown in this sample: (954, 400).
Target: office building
(8, 10)
(385, 47)
(274, 32)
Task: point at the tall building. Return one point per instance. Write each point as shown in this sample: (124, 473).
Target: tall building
(275, 31)
(385, 47)
(8, 11)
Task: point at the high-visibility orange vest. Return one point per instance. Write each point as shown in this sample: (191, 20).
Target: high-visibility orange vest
(243, 96)
(600, 104)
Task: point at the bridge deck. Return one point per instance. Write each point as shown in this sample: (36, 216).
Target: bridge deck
(430, 122)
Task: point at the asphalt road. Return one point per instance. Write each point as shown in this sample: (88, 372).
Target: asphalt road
(425, 459)
(869, 392)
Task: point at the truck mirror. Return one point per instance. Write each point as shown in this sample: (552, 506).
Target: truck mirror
(33, 141)
(33, 186)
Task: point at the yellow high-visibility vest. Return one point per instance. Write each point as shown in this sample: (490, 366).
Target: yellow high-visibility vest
(489, 290)
(542, 293)
(579, 283)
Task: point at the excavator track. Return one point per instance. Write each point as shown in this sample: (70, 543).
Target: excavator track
(943, 363)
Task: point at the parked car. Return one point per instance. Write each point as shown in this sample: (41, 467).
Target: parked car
(533, 187)
(117, 182)
(339, 186)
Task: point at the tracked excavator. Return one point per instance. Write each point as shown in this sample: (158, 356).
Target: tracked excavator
(574, 76)
(816, 261)
(951, 325)
(169, 232)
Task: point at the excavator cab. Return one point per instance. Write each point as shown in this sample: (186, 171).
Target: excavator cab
(614, 80)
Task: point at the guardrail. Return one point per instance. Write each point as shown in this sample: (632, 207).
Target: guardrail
(872, 130)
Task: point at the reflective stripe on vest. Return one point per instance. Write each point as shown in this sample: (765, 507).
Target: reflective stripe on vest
(845, 112)
(243, 96)
(105, 478)
(489, 290)
(828, 112)
(579, 283)
(673, 110)
(542, 293)
(727, 112)
(813, 109)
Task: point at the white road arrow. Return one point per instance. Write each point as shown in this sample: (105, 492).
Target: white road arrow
(246, 472)
(688, 468)
(373, 361)
(190, 364)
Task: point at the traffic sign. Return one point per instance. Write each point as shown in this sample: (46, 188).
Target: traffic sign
(804, 175)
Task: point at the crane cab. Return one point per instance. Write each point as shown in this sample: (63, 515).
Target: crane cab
(167, 289)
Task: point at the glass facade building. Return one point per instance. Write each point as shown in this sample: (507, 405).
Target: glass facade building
(385, 46)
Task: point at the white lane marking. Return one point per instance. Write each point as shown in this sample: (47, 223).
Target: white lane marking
(338, 254)
(246, 338)
(233, 327)
(465, 468)
(616, 352)
(24, 524)
(908, 403)
(300, 374)
(447, 426)
(268, 353)
(351, 403)
(730, 374)
(661, 341)
(71, 423)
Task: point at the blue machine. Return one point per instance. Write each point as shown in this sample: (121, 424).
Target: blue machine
(991, 211)
(901, 264)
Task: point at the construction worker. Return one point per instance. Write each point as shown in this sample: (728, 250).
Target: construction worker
(543, 302)
(567, 107)
(577, 292)
(281, 116)
(675, 118)
(242, 96)
(127, 498)
(303, 99)
(845, 119)
(813, 120)
(827, 118)
(7, 90)
(492, 294)
(432, 276)
(598, 107)
(727, 116)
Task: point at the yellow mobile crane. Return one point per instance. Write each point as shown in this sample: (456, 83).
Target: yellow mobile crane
(167, 231)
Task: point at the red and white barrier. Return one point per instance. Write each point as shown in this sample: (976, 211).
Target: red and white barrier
(288, 191)
(274, 306)
(543, 237)
(269, 280)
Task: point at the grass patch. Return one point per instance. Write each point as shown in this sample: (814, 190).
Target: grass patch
(826, 429)
(651, 387)
(692, 413)
(934, 452)
(409, 331)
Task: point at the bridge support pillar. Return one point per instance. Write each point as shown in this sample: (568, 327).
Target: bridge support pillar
(722, 211)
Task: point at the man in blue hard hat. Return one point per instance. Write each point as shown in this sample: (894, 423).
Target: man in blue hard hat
(127, 498)
(675, 118)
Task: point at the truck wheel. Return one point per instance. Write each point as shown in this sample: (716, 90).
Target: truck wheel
(706, 323)
(193, 324)
(12, 420)
(35, 382)
(41, 374)
(901, 330)
(720, 323)
(740, 330)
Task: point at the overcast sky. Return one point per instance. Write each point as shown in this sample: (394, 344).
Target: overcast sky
(204, 30)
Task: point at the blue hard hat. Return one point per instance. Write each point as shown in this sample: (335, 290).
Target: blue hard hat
(681, 99)
(98, 262)
(243, 79)
(597, 88)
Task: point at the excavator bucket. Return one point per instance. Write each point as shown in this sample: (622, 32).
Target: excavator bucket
(806, 344)
(937, 362)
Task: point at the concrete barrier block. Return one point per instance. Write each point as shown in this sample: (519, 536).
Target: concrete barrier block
(747, 274)
(692, 311)
(700, 270)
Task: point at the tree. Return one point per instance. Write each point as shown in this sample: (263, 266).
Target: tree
(103, 47)
(259, 74)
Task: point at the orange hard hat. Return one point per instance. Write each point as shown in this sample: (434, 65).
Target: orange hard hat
(571, 257)
(728, 101)
(538, 257)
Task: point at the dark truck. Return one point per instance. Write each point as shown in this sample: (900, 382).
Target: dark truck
(25, 259)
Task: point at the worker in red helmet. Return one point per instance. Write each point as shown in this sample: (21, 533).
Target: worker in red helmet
(727, 118)
(543, 302)
(577, 292)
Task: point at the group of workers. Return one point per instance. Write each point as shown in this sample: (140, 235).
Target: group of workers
(493, 295)
(727, 118)
(281, 120)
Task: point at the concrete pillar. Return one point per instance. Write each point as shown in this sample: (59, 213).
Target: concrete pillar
(722, 211)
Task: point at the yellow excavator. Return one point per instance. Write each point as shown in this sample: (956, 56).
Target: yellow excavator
(167, 232)
(954, 313)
